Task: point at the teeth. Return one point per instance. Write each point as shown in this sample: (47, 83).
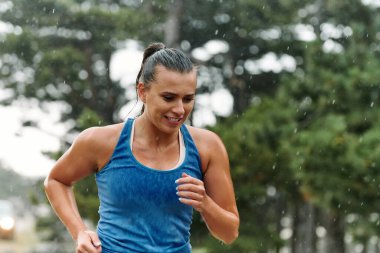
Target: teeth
(173, 119)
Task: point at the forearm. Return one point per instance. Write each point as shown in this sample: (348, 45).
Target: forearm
(62, 200)
(222, 224)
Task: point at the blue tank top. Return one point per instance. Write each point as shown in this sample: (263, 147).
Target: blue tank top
(139, 208)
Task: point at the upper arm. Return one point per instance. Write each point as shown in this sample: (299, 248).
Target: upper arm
(217, 177)
(78, 161)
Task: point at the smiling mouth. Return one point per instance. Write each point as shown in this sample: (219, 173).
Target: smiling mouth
(171, 119)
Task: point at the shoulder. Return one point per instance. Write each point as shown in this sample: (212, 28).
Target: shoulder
(94, 137)
(204, 137)
(209, 145)
(96, 144)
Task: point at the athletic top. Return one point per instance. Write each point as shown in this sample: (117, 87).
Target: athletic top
(139, 208)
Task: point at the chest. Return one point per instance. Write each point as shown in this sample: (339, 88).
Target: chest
(164, 159)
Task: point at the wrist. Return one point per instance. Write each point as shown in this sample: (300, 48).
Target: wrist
(80, 229)
(207, 205)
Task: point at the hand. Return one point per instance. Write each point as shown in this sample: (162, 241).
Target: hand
(191, 191)
(88, 242)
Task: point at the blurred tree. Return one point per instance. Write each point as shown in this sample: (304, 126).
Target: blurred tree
(13, 185)
(60, 51)
(304, 144)
(63, 51)
(265, 186)
(251, 29)
(334, 98)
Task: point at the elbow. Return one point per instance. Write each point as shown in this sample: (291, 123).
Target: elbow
(233, 233)
(46, 184)
(49, 184)
(232, 237)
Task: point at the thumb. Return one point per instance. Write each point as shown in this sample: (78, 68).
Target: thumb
(95, 240)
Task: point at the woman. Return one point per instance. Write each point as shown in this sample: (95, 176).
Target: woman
(151, 171)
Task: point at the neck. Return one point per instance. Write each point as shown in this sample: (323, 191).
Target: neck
(149, 134)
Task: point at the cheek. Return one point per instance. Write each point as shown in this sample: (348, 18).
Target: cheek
(189, 107)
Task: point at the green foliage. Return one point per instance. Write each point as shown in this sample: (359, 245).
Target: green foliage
(86, 194)
(305, 136)
(88, 118)
(13, 185)
(258, 164)
(50, 228)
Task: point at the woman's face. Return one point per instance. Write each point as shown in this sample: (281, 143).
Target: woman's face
(169, 99)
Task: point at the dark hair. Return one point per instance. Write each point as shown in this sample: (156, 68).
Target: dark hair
(157, 54)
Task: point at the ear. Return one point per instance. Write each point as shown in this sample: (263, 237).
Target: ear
(141, 91)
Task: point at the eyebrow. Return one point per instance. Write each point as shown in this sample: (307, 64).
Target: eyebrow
(175, 94)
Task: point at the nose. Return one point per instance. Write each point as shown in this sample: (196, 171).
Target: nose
(178, 109)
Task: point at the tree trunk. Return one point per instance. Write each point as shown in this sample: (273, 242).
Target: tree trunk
(334, 225)
(173, 23)
(304, 237)
(281, 209)
(240, 94)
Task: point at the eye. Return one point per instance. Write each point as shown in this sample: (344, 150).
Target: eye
(167, 98)
(188, 99)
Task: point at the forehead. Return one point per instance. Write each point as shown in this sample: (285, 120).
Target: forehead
(173, 80)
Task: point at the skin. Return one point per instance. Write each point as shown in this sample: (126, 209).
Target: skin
(168, 101)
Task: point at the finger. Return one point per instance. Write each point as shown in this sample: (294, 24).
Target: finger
(87, 245)
(81, 249)
(95, 239)
(189, 179)
(190, 195)
(192, 203)
(191, 188)
(88, 249)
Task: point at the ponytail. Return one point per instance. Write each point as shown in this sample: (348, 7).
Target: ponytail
(151, 49)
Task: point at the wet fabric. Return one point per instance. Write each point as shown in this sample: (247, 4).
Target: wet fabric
(139, 208)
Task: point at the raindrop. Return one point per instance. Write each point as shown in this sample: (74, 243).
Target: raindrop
(295, 130)
(53, 11)
(372, 104)
(274, 166)
(333, 102)
(216, 32)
